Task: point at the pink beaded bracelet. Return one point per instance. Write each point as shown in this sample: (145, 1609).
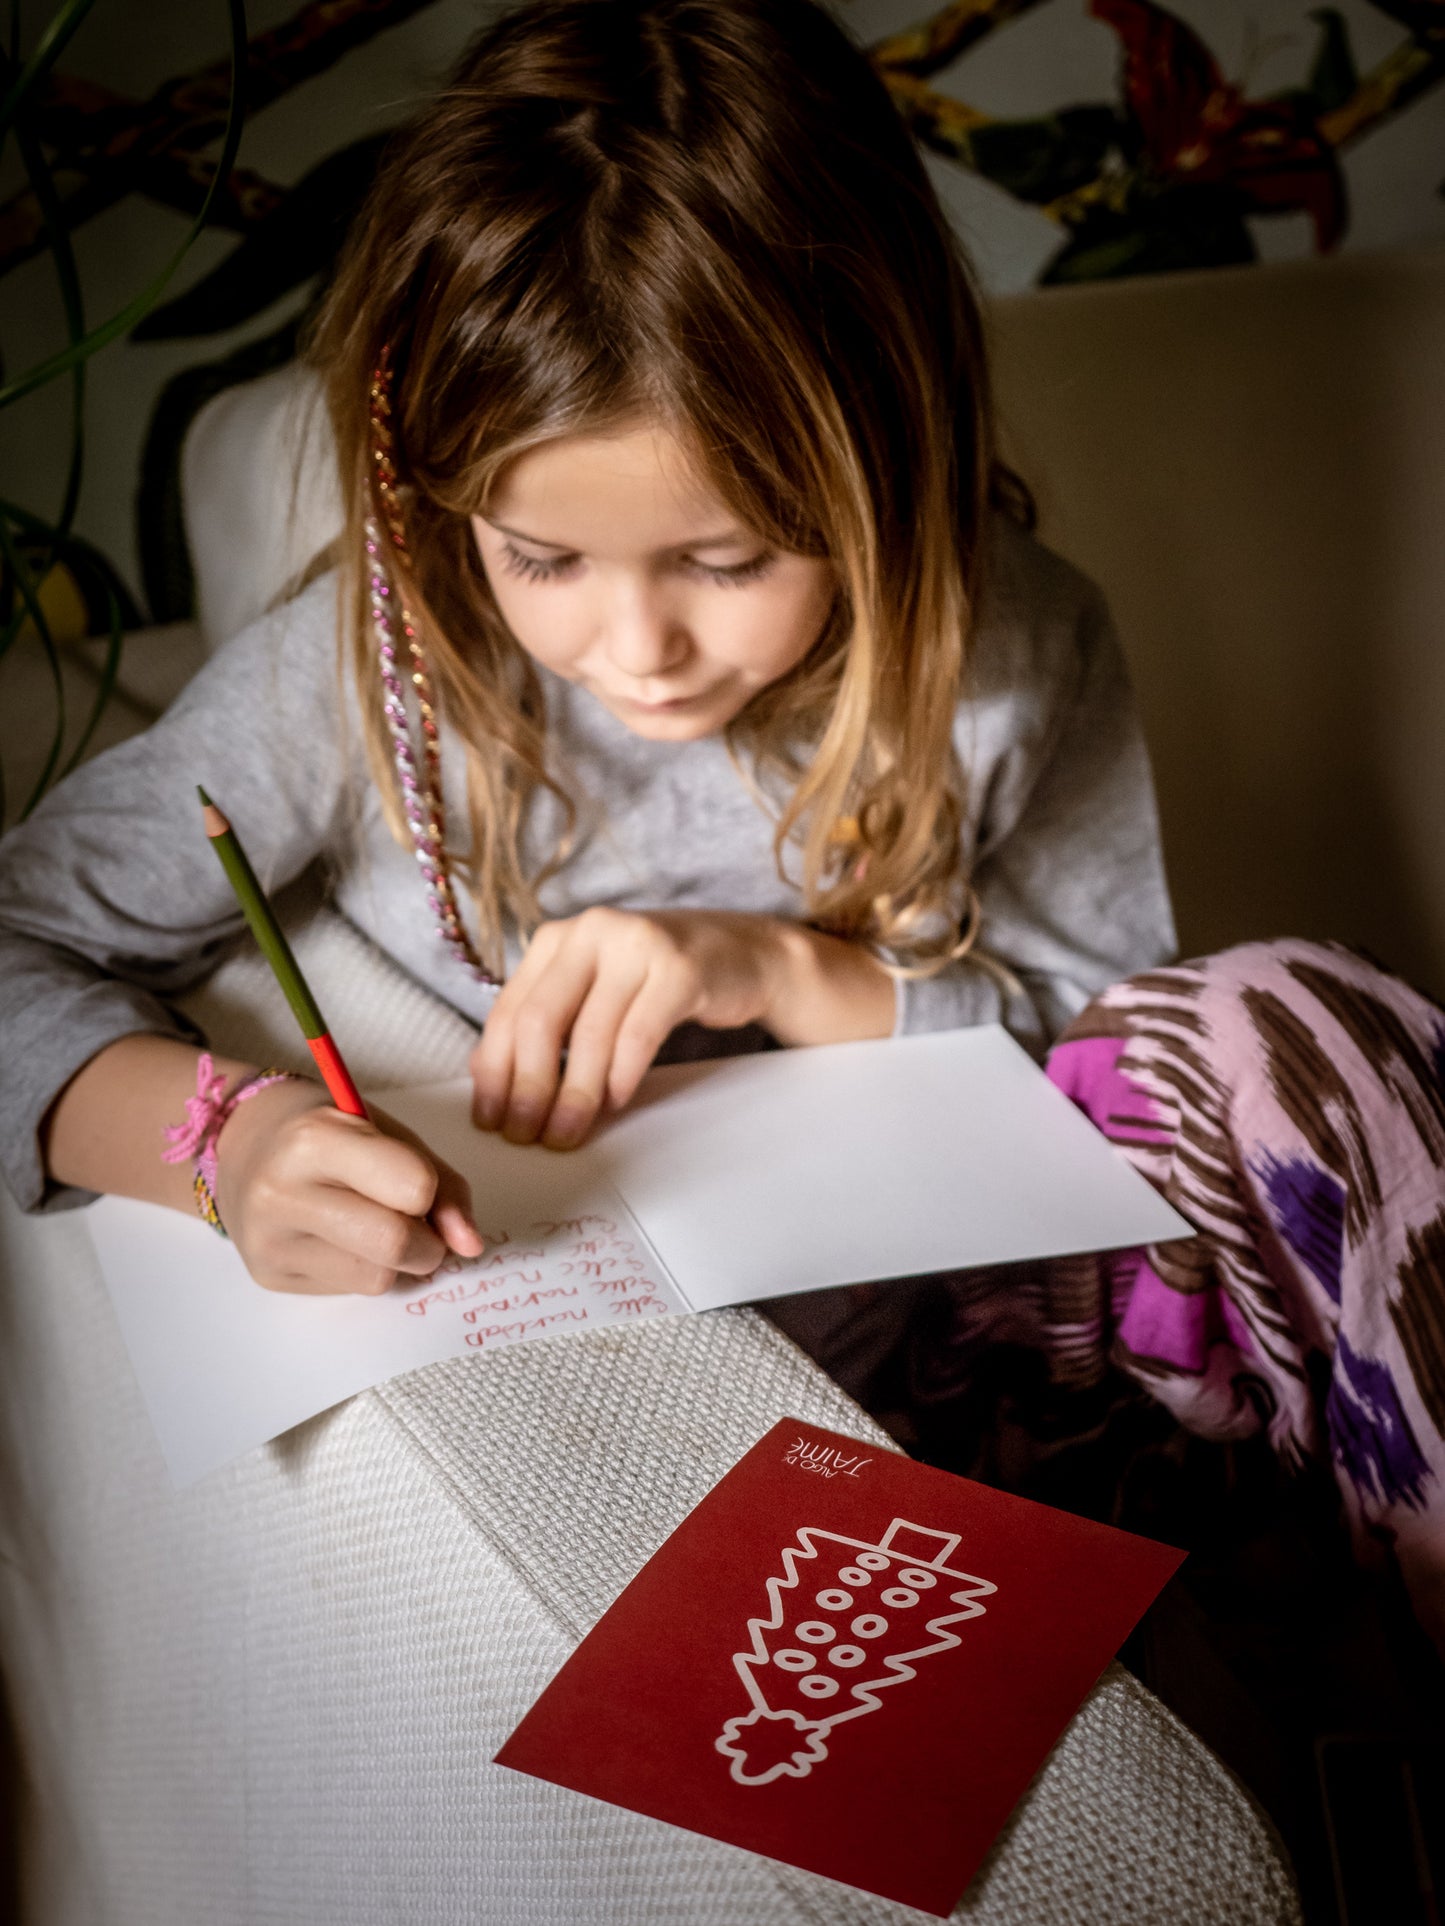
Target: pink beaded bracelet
(206, 1113)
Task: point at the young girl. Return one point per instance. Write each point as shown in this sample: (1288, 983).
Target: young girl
(663, 431)
(699, 673)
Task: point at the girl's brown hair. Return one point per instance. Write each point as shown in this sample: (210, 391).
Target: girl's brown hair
(705, 212)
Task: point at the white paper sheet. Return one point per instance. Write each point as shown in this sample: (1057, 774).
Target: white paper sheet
(728, 1181)
(764, 1175)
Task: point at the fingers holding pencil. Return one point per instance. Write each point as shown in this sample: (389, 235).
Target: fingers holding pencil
(321, 1202)
(326, 1199)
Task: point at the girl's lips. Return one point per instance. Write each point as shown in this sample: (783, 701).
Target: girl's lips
(673, 702)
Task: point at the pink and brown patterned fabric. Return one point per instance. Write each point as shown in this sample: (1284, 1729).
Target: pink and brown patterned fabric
(1289, 1099)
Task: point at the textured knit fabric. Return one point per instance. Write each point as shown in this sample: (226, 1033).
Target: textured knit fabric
(274, 1698)
(1289, 1099)
(112, 904)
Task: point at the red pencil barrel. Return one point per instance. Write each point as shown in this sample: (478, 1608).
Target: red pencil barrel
(344, 1093)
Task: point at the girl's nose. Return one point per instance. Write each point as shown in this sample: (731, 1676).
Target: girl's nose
(643, 636)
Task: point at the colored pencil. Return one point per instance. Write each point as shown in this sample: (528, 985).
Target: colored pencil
(277, 951)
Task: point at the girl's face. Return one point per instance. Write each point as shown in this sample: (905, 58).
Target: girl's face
(616, 565)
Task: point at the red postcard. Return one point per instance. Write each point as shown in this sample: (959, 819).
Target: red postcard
(845, 1660)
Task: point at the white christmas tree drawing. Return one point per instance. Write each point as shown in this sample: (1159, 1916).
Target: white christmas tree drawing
(846, 1621)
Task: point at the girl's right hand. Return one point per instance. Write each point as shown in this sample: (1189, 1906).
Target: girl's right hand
(316, 1201)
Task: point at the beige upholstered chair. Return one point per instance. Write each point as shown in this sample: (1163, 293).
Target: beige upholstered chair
(275, 1697)
(1252, 463)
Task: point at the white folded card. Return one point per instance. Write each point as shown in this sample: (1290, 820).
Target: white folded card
(728, 1181)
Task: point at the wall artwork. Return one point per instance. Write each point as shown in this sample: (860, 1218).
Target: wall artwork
(1177, 137)
(1156, 136)
(1070, 141)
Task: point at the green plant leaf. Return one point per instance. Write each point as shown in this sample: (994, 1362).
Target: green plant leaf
(17, 572)
(17, 592)
(100, 583)
(105, 688)
(293, 245)
(42, 185)
(25, 518)
(82, 558)
(52, 44)
(122, 322)
(110, 609)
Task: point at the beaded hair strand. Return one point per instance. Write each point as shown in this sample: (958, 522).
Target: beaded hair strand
(418, 764)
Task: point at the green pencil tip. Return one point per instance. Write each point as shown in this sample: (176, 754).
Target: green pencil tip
(205, 799)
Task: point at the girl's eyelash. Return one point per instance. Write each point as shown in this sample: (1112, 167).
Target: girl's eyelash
(533, 569)
(740, 571)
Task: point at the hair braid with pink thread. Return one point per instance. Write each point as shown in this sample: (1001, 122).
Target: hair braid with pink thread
(418, 774)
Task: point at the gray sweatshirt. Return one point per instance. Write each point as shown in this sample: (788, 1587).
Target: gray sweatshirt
(111, 902)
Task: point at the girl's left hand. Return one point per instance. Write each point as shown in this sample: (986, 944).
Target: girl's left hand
(609, 985)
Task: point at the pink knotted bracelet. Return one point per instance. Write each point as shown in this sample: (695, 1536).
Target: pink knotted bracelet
(206, 1113)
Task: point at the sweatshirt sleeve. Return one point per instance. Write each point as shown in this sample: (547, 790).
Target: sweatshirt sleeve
(112, 901)
(1067, 862)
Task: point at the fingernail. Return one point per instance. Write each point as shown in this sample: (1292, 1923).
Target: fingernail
(523, 1122)
(566, 1127)
(486, 1113)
